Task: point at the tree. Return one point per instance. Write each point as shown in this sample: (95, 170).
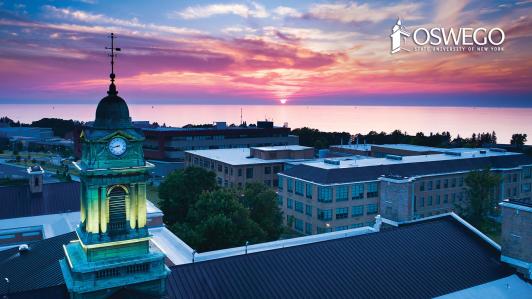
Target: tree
(264, 210)
(218, 220)
(181, 189)
(518, 139)
(480, 186)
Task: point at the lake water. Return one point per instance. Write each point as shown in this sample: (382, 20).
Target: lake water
(353, 119)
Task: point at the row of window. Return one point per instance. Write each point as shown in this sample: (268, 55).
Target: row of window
(439, 199)
(441, 184)
(326, 214)
(306, 227)
(325, 193)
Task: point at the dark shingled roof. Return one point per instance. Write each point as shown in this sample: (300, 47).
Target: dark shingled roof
(36, 269)
(368, 173)
(419, 260)
(17, 201)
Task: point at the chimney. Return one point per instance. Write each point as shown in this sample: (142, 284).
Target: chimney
(36, 175)
(516, 235)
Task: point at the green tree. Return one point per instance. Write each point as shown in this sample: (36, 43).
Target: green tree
(264, 210)
(480, 185)
(180, 191)
(218, 220)
(518, 139)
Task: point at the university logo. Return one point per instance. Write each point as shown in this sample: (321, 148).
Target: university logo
(441, 39)
(398, 36)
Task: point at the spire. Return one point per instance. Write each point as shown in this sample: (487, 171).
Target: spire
(112, 87)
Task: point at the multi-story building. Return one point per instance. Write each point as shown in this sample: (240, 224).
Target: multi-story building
(170, 143)
(330, 195)
(382, 150)
(238, 166)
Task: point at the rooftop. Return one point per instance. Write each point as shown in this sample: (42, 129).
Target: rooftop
(404, 261)
(17, 201)
(372, 169)
(283, 148)
(239, 156)
(455, 154)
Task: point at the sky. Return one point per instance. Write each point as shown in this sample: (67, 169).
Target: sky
(259, 52)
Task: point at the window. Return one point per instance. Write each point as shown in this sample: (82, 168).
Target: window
(446, 198)
(324, 194)
(357, 225)
(453, 197)
(308, 228)
(339, 228)
(341, 193)
(525, 187)
(429, 203)
(219, 167)
(308, 210)
(324, 214)
(279, 182)
(31, 234)
(437, 199)
(309, 190)
(240, 172)
(289, 203)
(342, 213)
(421, 186)
(527, 172)
(298, 224)
(372, 190)
(267, 170)
(514, 177)
(461, 182)
(422, 201)
(276, 169)
(357, 191)
(372, 208)
(299, 207)
(453, 182)
(249, 173)
(226, 170)
(446, 183)
(429, 187)
(279, 199)
(289, 185)
(299, 187)
(438, 184)
(357, 211)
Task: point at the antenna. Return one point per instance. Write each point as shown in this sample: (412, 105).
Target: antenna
(240, 115)
(112, 55)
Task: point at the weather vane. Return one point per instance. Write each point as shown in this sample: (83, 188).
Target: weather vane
(112, 55)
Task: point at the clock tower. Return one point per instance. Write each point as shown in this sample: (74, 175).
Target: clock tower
(112, 251)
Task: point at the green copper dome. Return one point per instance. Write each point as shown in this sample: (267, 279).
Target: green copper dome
(112, 111)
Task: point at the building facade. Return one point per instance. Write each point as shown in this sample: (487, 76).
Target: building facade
(170, 143)
(236, 167)
(319, 197)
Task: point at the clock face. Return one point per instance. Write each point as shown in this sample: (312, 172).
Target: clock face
(117, 146)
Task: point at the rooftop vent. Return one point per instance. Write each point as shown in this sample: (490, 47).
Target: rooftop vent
(23, 248)
(483, 152)
(453, 153)
(332, 162)
(498, 150)
(394, 157)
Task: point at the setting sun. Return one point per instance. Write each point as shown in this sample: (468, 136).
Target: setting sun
(283, 101)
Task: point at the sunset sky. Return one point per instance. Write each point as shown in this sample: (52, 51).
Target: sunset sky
(252, 52)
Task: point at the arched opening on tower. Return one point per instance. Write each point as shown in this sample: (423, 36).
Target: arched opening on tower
(117, 209)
